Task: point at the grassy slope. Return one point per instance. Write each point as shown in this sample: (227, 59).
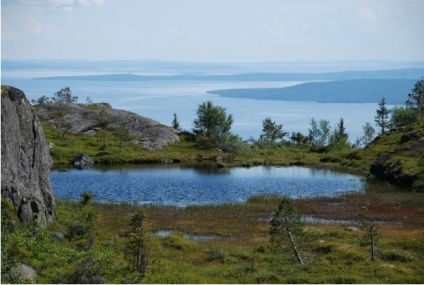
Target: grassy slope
(409, 154)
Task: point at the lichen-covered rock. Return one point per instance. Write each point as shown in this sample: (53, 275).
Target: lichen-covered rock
(25, 160)
(89, 119)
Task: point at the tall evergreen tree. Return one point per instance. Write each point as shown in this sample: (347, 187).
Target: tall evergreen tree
(340, 138)
(175, 124)
(382, 116)
(136, 250)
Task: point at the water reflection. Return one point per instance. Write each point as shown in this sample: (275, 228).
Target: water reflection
(183, 185)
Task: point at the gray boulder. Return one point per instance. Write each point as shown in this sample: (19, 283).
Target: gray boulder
(25, 160)
(23, 273)
(89, 119)
(82, 161)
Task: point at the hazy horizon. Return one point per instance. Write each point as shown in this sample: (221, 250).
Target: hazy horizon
(220, 31)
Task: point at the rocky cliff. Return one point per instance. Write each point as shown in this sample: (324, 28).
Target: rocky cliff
(89, 119)
(25, 160)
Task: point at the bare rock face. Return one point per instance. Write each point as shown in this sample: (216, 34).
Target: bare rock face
(25, 160)
(89, 119)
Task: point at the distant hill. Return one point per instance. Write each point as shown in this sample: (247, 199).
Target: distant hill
(408, 73)
(395, 91)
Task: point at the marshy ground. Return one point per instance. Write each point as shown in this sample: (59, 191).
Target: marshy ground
(236, 247)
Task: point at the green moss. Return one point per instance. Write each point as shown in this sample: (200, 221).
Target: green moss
(3, 89)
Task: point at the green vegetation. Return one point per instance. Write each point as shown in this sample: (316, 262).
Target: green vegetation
(416, 98)
(271, 132)
(96, 249)
(136, 247)
(175, 123)
(61, 97)
(212, 140)
(370, 237)
(93, 242)
(212, 126)
(382, 116)
(286, 224)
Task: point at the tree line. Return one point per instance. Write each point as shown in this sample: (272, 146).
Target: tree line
(212, 127)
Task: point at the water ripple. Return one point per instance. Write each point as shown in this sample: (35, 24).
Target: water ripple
(183, 186)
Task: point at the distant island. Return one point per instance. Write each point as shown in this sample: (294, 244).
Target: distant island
(367, 86)
(407, 73)
(343, 91)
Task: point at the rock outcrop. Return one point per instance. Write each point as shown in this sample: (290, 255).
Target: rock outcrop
(82, 161)
(403, 164)
(385, 168)
(90, 119)
(25, 160)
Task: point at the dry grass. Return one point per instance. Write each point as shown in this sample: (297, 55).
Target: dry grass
(376, 205)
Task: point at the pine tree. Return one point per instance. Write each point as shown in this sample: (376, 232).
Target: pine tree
(271, 131)
(136, 250)
(175, 124)
(370, 237)
(382, 116)
(286, 227)
(340, 139)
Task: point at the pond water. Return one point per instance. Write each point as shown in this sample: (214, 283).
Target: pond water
(165, 233)
(180, 185)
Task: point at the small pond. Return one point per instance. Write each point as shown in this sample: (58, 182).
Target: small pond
(180, 185)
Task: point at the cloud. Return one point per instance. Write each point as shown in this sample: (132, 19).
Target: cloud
(61, 3)
(367, 14)
(90, 3)
(53, 4)
(77, 3)
(24, 27)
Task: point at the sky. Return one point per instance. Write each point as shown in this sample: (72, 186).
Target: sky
(213, 30)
